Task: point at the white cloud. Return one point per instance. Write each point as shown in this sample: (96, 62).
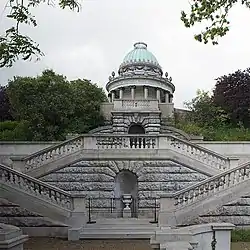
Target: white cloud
(92, 43)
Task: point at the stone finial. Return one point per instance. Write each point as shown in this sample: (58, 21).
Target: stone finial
(110, 78)
(113, 73)
(170, 79)
(166, 74)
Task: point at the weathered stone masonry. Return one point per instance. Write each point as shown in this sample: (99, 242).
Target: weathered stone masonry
(96, 179)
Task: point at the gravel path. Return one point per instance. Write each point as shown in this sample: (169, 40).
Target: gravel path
(58, 244)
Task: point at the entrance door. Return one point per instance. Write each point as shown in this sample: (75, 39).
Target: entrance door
(126, 183)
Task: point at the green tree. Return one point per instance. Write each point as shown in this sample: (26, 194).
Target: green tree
(213, 12)
(86, 100)
(53, 106)
(5, 108)
(204, 112)
(13, 44)
(232, 93)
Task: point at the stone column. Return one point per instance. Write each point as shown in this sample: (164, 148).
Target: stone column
(133, 92)
(166, 97)
(112, 96)
(121, 93)
(158, 95)
(145, 92)
(171, 99)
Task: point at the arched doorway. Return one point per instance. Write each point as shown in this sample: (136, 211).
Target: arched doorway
(126, 183)
(136, 129)
(137, 142)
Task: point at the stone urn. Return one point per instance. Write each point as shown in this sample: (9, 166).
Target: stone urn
(127, 200)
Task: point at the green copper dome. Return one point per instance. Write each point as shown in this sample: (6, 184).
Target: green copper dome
(140, 54)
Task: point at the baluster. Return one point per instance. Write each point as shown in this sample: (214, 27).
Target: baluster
(237, 176)
(205, 157)
(178, 201)
(247, 172)
(197, 154)
(188, 149)
(226, 181)
(210, 187)
(204, 190)
(12, 179)
(232, 178)
(137, 142)
(221, 183)
(189, 197)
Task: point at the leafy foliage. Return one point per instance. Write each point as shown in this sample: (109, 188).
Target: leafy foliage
(204, 112)
(52, 106)
(15, 130)
(13, 44)
(224, 115)
(5, 108)
(232, 93)
(214, 12)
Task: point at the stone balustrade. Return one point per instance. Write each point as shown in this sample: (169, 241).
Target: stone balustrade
(199, 153)
(35, 187)
(53, 153)
(113, 142)
(124, 142)
(209, 187)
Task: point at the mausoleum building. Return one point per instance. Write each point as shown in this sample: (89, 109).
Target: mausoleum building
(129, 178)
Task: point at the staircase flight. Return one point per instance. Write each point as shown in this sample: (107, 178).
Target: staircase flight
(42, 198)
(108, 146)
(185, 205)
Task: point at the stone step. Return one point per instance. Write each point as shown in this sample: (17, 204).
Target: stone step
(124, 221)
(132, 228)
(114, 234)
(120, 229)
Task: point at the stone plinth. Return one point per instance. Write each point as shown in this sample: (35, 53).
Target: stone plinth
(199, 237)
(11, 237)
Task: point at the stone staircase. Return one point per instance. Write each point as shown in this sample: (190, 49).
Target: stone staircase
(42, 198)
(185, 206)
(119, 228)
(108, 147)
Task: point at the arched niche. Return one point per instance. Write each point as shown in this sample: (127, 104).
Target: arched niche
(136, 129)
(126, 182)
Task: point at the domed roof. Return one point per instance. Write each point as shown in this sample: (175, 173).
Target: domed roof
(140, 54)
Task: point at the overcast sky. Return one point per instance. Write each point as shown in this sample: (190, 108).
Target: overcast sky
(91, 44)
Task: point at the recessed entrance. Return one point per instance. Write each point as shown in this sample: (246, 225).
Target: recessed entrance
(136, 129)
(126, 183)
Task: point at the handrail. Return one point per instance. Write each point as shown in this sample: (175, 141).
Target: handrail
(200, 147)
(211, 185)
(125, 141)
(37, 187)
(49, 148)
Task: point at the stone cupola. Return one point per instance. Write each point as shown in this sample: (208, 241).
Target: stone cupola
(140, 95)
(140, 77)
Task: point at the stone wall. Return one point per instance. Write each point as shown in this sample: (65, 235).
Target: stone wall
(149, 120)
(237, 213)
(96, 179)
(13, 214)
